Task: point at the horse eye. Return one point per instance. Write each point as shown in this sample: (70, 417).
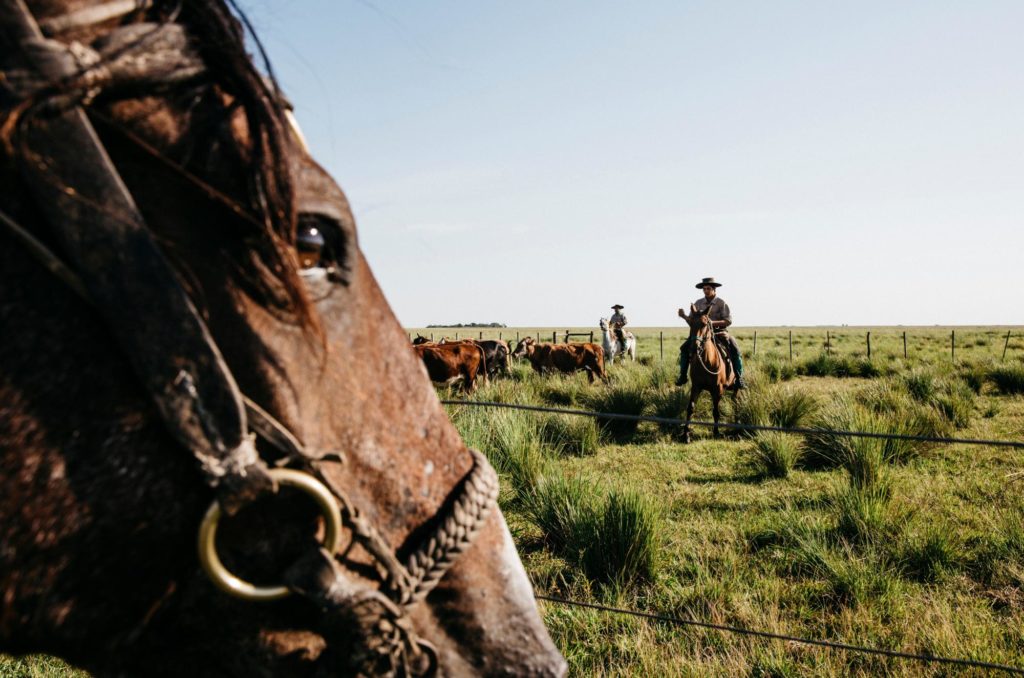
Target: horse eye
(310, 243)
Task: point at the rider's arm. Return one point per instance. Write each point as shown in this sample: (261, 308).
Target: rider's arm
(726, 318)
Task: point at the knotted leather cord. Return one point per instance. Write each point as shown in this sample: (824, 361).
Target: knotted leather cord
(389, 644)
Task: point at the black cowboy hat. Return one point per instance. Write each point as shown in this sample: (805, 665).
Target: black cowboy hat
(708, 281)
(618, 306)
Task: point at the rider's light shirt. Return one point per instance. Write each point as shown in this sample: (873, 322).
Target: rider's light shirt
(618, 318)
(719, 310)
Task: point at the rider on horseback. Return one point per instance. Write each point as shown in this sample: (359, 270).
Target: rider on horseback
(618, 321)
(721, 318)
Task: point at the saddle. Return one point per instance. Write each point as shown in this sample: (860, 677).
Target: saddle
(722, 344)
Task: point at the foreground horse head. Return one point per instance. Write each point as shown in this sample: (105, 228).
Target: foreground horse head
(100, 498)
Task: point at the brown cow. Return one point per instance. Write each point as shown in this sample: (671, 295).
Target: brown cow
(563, 357)
(496, 351)
(449, 363)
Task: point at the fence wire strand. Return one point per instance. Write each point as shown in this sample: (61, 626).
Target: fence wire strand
(846, 647)
(740, 427)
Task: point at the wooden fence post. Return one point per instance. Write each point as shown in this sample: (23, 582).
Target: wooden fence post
(791, 346)
(904, 345)
(431, 336)
(456, 336)
(661, 345)
(869, 346)
(828, 342)
(591, 336)
(517, 338)
(481, 336)
(554, 337)
(952, 345)
(755, 343)
(1006, 344)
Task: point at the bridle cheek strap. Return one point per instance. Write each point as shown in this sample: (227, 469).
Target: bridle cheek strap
(103, 236)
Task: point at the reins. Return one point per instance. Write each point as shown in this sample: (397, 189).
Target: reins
(114, 264)
(699, 349)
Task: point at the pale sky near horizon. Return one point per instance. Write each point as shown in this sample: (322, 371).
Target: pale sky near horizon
(533, 163)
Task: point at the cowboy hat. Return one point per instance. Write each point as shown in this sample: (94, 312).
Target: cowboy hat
(617, 307)
(708, 281)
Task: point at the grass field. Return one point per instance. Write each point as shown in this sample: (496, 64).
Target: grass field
(905, 546)
(918, 548)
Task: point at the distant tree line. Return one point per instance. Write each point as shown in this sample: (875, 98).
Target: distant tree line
(470, 325)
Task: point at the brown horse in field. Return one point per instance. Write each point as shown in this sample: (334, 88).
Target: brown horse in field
(707, 366)
(164, 355)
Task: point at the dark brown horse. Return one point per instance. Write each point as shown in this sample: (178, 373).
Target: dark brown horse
(707, 366)
(116, 436)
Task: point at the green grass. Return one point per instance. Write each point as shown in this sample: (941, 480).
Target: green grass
(1009, 379)
(774, 454)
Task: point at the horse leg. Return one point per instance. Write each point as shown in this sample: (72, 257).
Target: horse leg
(716, 399)
(694, 392)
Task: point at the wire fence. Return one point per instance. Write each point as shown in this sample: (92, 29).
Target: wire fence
(797, 344)
(846, 647)
(740, 427)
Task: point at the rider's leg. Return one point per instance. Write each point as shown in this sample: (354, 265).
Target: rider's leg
(737, 361)
(685, 351)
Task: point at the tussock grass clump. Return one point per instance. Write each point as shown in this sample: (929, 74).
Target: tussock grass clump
(956, 402)
(504, 391)
(997, 559)
(975, 375)
(774, 454)
(922, 385)
(790, 407)
(615, 540)
(775, 406)
(858, 454)
(663, 376)
(560, 506)
(931, 555)
(621, 540)
(773, 368)
(669, 403)
(566, 390)
(569, 434)
(1009, 379)
(850, 578)
(512, 442)
(863, 514)
(628, 396)
(885, 396)
(825, 365)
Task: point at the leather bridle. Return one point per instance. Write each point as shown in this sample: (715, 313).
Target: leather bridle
(114, 263)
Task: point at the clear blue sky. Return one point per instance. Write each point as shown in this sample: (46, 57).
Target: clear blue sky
(533, 163)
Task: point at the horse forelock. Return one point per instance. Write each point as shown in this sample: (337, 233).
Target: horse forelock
(266, 262)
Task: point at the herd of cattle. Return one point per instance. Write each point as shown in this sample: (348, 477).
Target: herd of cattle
(466, 360)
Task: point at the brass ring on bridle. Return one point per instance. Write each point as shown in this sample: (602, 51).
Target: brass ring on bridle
(234, 585)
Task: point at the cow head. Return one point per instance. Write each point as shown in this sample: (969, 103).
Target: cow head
(524, 347)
